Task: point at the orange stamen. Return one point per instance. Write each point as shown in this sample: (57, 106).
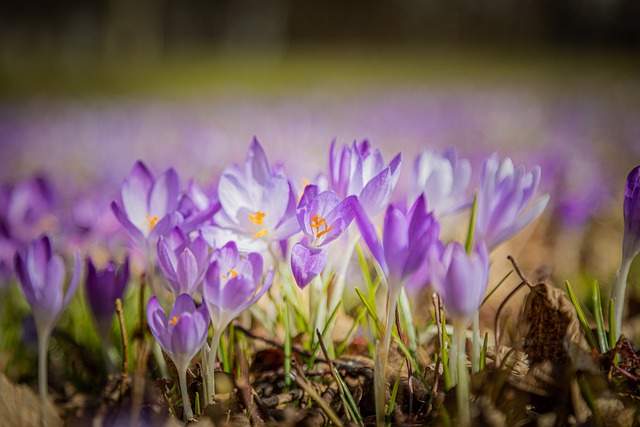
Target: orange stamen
(152, 222)
(257, 217)
(316, 222)
(260, 233)
(174, 320)
(232, 274)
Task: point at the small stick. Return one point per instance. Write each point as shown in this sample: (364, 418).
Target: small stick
(333, 374)
(525, 282)
(125, 347)
(319, 400)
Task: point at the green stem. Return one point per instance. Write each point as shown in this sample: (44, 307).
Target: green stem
(475, 344)
(187, 413)
(381, 356)
(405, 306)
(210, 354)
(43, 350)
(317, 306)
(618, 292)
(462, 389)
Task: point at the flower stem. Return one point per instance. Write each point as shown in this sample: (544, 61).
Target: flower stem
(210, 354)
(618, 292)
(43, 347)
(475, 344)
(462, 389)
(380, 359)
(187, 413)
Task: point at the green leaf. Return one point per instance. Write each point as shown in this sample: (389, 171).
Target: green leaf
(581, 317)
(472, 225)
(599, 316)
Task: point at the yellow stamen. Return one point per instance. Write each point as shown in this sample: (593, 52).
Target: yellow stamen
(257, 217)
(260, 233)
(316, 222)
(174, 320)
(152, 222)
(232, 274)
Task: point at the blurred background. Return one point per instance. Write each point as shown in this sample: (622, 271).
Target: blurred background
(87, 88)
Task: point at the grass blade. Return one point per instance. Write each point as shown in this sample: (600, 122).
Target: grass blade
(392, 401)
(496, 287)
(472, 225)
(483, 352)
(581, 317)
(599, 316)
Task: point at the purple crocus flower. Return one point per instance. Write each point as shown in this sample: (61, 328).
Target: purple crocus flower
(359, 170)
(504, 194)
(197, 207)
(443, 179)
(630, 244)
(258, 205)
(461, 279)
(149, 206)
(103, 288)
(322, 218)
(181, 336)
(185, 266)
(231, 285)
(40, 277)
(408, 238)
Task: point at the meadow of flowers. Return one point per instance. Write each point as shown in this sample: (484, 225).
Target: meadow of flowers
(347, 285)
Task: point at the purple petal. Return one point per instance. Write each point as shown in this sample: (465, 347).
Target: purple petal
(377, 192)
(368, 232)
(256, 266)
(187, 271)
(135, 192)
(236, 294)
(184, 340)
(183, 304)
(167, 260)
(134, 232)
(307, 263)
(73, 285)
(395, 240)
(257, 159)
(164, 194)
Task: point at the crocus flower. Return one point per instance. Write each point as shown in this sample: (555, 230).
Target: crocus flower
(359, 170)
(181, 336)
(258, 205)
(443, 179)
(103, 288)
(184, 267)
(630, 243)
(461, 279)
(197, 207)
(40, 277)
(323, 217)
(408, 238)
(504, 194)
(231, 285)
(149, 206)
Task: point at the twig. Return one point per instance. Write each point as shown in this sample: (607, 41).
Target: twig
(125, 347)
(525, 282)
(302, 383)
(333, 374)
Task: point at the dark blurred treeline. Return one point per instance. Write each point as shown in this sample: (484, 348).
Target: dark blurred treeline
(153, 27)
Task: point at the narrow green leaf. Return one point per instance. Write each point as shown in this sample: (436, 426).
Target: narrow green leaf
(197, 403)
(483, 352)
(472, 225)
(370, 310)
(392, 401)
(599, 316)
(496, 287)
(581, 317)
(325, 332)
(351, 403)
(613, 334)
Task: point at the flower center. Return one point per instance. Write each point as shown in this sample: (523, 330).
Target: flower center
(152, 222)
(174, 320)
(257, 219)
(319, 226)
(231, 275)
